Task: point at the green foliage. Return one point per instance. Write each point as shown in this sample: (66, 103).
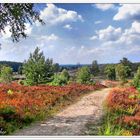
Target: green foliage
(122, 72)
(20, 69)
(6, 74)
(65, 74)
(28, 119)
(136, 80)
(16, 15)
(38, 70)
(127, 63)
(7, 112)
(94, 68)
(83, 75)
(56, 67)
(61, 79)
(108, 128)
(110, 72)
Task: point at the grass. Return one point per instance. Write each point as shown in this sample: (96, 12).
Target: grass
(104, 127)
(113, 123)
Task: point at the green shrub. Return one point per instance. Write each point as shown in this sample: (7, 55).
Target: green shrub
(28, 119)
(7, 112)
(108, 128)
(83, 75)
(6, 74)
(110, 72)
(122, 72)
(61, 78)
(136, 80)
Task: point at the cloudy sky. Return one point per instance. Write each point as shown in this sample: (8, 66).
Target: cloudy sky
(79, 33)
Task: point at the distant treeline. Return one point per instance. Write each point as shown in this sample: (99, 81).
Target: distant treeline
(17, 65)
(134, 66)
(14, 65)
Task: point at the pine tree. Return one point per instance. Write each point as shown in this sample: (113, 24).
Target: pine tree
(37, 70)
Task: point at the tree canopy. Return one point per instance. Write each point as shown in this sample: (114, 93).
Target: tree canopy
(122, 72)
(110, 72)
(94, 67)
(16, 15)
(37, 69)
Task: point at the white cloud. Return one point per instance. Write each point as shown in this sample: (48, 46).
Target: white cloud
(28, 28)
(108, 34)
(104, 7)
(6, 34)
(113, 36)
(131, 34)
(54, 15)
(97, 22)
(51, 37)
(135, 27)
(67, 26)
(94, 37)
(128, 11)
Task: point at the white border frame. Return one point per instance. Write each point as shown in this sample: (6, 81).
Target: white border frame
(70, 137)
(69, 1)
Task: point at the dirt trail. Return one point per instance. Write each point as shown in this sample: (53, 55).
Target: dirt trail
(72, 120)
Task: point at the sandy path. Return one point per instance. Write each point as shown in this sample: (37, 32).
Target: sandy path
(72, 120)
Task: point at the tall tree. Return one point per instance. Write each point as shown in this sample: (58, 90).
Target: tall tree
(56, 67)
(36, 69)
(16, 15)
(94, 68)
(127, 63)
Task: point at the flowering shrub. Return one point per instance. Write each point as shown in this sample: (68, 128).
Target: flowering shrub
(22, 104)
(124, 103)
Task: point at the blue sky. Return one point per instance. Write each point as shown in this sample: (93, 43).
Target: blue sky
(79, 33)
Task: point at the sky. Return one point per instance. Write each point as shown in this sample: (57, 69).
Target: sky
(79, 33)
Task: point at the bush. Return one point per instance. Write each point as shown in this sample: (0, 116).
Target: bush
(136, 80)
(6, 74)
(124, 110)
(83, 75)
(7, 112)
(110, 72)
(61, 79)
(122, 72)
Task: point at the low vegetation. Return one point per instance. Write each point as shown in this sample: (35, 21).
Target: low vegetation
(6, 74)
(20, 105)
(136, 80)
(122, 116)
